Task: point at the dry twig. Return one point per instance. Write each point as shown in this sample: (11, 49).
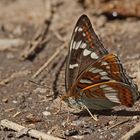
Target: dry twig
(9, 110)
(133, 132)
(21, 130)
(40, 38)
(119, 123)
(10, 44)
(14, 76)
(16, 114)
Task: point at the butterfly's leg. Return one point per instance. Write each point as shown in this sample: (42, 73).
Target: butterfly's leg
(64, 97)
(94, 117)
(68, 117)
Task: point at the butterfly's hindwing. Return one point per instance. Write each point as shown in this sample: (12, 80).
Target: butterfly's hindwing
(116, 92)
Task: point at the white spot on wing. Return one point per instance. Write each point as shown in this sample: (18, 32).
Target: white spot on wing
(86, 52)
(74, 44)
(108, 67)
(103, 86)
(76, 29)
(80, 29)
(104, 63)
(112, 97)
(84, 34)
(110, 89)
(97, 70)
(92, 69)
(85, 81)
(94, 55)
(105, 78)
(72, 66)
(83, 45)
(103, 73)
(77, 45)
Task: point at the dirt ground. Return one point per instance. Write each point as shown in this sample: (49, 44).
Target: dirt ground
(33, 105)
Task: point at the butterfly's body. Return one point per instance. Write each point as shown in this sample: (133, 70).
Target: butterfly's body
(95, 78)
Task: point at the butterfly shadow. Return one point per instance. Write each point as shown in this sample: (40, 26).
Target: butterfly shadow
(109, 112)
(56, 92)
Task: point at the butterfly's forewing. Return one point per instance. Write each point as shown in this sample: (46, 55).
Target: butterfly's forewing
(85, 48)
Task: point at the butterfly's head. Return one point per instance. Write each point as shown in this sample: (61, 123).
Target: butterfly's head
(65, 97)
(71, 101)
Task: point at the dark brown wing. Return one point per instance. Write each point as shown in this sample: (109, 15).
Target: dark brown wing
(85, 48)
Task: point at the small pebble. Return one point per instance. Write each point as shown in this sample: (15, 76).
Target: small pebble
(30, 98)
(70, 132)
(84, 132)
(47, 108)
(40, 90)
(120, 128)
(134, 117)
(111, 122)
(46, 113)
(64, 124)
(99, 130)
(78, 137)
(14, 101)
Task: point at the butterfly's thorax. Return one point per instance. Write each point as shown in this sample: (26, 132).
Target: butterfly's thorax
(73, 99)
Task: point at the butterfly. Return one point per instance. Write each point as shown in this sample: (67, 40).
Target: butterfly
(94, 77)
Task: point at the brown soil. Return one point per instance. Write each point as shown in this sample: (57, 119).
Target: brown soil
(32, 105)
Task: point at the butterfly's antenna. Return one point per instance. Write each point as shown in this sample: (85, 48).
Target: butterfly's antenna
(94, 117)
